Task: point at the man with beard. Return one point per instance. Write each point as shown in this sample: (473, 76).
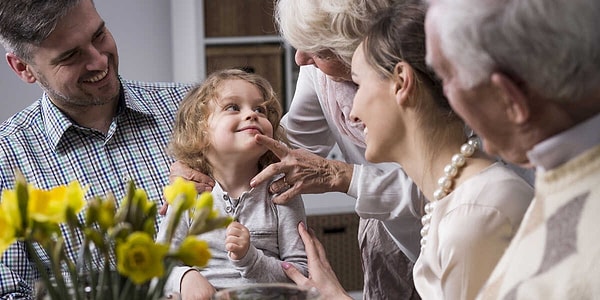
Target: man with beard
(89, 125)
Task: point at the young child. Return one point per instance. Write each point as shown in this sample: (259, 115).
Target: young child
(214, 132)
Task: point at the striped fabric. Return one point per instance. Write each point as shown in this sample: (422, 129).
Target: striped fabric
(50, 150)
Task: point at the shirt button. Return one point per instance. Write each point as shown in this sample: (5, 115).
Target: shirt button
(226, 198)
(228, 209)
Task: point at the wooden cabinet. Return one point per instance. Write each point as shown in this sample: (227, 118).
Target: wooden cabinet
(231, 18)
(263, 59)
(337, 233)
(227, 34)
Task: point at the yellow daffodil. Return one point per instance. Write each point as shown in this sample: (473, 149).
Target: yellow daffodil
(141, 201)
(47, 206)
(43, 217)
(106, 213)
(205, 201)
(52, 205)
(193, 252)
(140, 259)
(10, 210)
(181, 193)
(101, 211)
(75, 196)
(7, 234)
(204, 218)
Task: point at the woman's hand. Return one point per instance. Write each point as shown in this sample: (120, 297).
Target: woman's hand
(321, 275)
(202, 182)
(237, 241)
(305, 173)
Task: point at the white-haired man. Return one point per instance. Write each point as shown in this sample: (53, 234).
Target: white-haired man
(525, 75)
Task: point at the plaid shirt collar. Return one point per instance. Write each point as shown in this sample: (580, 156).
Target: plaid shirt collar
(57, 124)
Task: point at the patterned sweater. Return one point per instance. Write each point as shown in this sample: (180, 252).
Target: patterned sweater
(556, 252)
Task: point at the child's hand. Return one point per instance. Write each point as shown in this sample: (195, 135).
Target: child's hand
(237, 241)
(195, 286)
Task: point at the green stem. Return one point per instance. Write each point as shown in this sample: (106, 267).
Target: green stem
(56, 267)
(78, 286)
(157, 292)
(126, 290)
(43, 271)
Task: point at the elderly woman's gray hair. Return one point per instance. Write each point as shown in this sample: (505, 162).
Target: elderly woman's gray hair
(336, 25)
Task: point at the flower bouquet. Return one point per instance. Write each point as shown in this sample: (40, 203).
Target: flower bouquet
(117, 256)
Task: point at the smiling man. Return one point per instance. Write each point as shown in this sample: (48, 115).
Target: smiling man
(525, 75)
(89, 124)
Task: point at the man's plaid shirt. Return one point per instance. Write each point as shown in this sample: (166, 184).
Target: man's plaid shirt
(50, 150)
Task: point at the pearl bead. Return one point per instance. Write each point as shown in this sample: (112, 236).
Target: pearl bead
(467, 150)
(429, 207)
(439, 194)
(458, 160)
(450, 171)
(425, 230)
(473, 142)
(426, 219)
(445, 183)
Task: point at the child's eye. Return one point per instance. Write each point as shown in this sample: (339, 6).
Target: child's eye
(232, 107)
(261, 110)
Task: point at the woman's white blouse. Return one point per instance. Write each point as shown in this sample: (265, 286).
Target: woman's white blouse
(469, 231)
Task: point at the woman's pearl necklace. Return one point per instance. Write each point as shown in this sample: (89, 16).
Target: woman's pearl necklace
(446, 182)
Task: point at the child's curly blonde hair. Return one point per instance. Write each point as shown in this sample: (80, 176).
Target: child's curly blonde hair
(190, 139)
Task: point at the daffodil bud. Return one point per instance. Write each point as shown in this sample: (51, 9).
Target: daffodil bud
(205, 201)
(193, 252)
(92, 212)
(106, 213)
(95, 237)
(22, 196)
(207, 225)
(181, 188)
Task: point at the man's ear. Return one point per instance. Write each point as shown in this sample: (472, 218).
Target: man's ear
(514, 99)
(20, 67)
(403, 82)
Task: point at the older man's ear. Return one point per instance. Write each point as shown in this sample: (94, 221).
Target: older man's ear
(514, 99)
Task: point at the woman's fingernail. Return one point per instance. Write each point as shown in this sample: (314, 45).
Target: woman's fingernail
(303, 225)
(285, 265)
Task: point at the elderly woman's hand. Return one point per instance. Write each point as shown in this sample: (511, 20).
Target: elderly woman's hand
(321, 275)
(305, 173)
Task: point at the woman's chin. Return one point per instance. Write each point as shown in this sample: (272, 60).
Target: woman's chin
(372, 156)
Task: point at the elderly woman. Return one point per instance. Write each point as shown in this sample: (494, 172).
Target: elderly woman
(325, 35)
